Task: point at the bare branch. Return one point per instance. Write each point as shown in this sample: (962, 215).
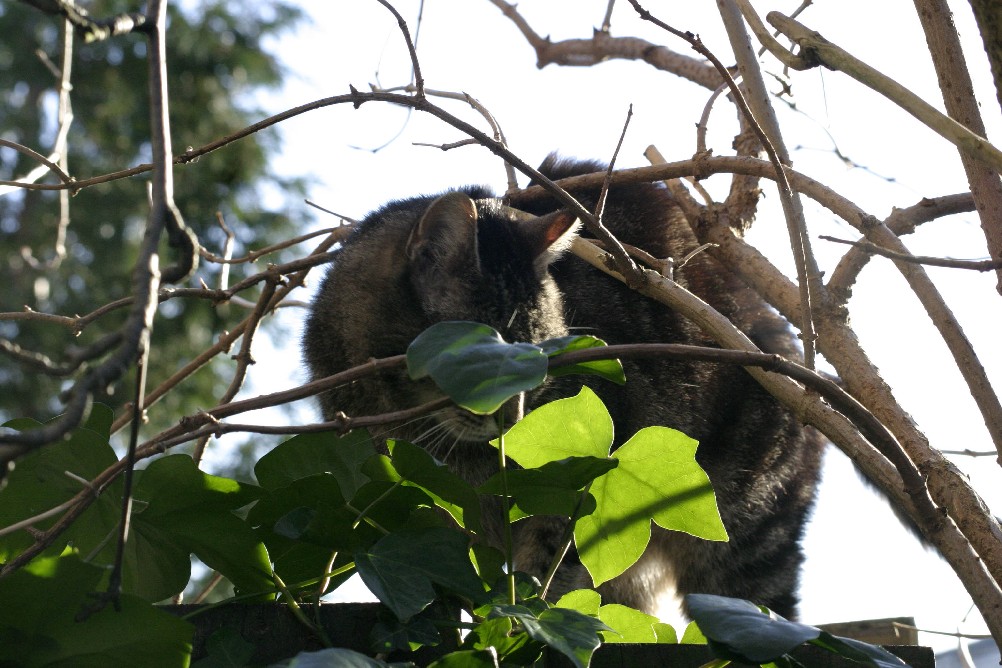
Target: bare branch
(833, 57)
(866, 246)
(47, 162)
(958, 96)
(602, 47)
(807, 270)
(418, 79)
(91, 29)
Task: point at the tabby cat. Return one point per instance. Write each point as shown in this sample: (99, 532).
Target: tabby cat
(465, 255)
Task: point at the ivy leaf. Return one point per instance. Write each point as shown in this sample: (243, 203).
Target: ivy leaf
(496, 635)
(182, 510)
(468, 658)
(657, 478)
(553, 488)
(390, 634)
(401, 568)
(567, 631)
(226, 648)
(450, 492)
(578, 426)
(608, 369)
(40, 629)
(628, 625)
(692, 635)
(474, 366)
(304, 455)
(40, 482)
(858, 651)
(738, 630)
(585, 601)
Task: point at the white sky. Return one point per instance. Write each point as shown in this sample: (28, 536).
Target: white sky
(861, 563)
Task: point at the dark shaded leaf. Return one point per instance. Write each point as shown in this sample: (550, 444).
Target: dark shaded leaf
(469, 658)
(41, 481)
(226, 648)
(608, 369)
(553, 488)
(474, 366)
(41, 629)
(450, 492)
(567, 631)
(309, 454)
(858, 651)
(187, 511)
(740, 631)
(401, 568)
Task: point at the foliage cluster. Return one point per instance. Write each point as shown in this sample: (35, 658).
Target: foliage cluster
(327, 506)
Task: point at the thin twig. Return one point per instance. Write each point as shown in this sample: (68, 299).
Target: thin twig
(418, 79)
(807, 272)
(975, 265)
(604, 192)
(833, 57)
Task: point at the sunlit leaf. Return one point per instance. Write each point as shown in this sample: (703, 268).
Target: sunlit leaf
(657, 479)
(578, 426)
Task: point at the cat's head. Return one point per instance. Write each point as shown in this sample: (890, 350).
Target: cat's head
(460, 256)
(482, 261)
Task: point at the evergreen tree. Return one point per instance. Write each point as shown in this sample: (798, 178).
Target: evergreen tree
(217, 59)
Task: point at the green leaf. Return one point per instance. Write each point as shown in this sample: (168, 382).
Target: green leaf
(468, 658)
(496, 634)
(858, 651)
(578, 426)
(657, 478)
(739, 631)
(450, 492)
(390, 634)
(567, 631)
(692, 635)
(401, 568)
(552, 489)
(226, 648)
(585, 601)
(40, 630)
(666, 634)
(628, 625)
(608, 369)
(185, 511)
(310, 509)
(474, 366)
(310, 454)
(42, 481)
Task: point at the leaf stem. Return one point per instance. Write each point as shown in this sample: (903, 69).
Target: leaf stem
(565, 542)
(298, 613)
(505, 510)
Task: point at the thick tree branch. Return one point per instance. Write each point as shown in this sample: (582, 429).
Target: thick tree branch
(958, 96)
(831, 56)
(602, 47)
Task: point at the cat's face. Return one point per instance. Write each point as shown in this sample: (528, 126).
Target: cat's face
(423, 261)
(480, 261)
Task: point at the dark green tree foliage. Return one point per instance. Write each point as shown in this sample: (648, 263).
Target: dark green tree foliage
(217, 60)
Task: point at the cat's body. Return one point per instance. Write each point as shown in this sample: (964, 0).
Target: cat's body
(464, 257)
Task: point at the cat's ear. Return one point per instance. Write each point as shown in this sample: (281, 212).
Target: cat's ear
(447, 232)
(549, 236)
